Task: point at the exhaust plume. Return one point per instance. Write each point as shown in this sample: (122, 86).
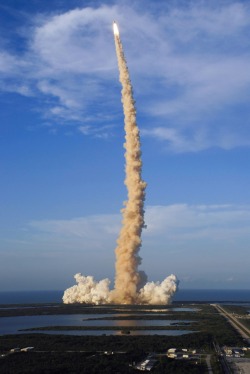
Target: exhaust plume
(129, 281)
(128, 278)
(87, 291)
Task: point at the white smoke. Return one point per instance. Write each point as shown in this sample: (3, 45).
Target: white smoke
(159, 293)
(89, 291)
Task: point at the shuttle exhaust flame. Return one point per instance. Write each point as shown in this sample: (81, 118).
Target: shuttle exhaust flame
(130, 287)
(115, 29)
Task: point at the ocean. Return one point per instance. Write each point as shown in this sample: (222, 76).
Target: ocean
(186, 295)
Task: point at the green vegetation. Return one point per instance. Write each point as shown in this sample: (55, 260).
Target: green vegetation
(245, 322)
(124, 343)
(85, 354)
(215, 363)
(236, 309)
(206, 321)
(40, 363)
(241, 311)
(61, 309)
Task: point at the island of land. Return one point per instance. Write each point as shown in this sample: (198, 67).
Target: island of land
(78, 338)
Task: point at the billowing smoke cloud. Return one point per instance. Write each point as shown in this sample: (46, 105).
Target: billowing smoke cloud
(87, 291)
(130, 287)
(158, 293)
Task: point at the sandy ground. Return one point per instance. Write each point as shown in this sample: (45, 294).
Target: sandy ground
(243, 367)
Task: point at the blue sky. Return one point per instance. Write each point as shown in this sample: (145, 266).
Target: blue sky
(61, 139)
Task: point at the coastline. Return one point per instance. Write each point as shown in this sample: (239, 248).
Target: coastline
(183, 295)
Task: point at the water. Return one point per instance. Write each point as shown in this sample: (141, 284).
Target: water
(29, 297)
(184, 310)
(13, 325)
(213, 295)
(115, 332)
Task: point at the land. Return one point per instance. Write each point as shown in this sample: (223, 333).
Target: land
(234, 320)
(210, 331)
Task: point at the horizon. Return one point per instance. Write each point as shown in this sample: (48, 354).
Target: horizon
(180, 289)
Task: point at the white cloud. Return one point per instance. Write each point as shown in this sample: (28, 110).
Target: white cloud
(199, 138)
(76, 41)
(175, 139)
(190, 66)
(196, 242)
(184, 222)
(11, 64)
(179, 222)
(93, 232)
(215, 19)
(103, 132)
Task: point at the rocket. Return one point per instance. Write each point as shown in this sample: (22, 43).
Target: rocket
(115, 28)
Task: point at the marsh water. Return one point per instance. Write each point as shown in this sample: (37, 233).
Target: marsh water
(14, 325)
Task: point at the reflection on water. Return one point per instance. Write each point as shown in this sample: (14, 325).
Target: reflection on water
(128, 322)
(13, 325)
(142, 310)
(160, 310)
(113, 332)
(185, 309)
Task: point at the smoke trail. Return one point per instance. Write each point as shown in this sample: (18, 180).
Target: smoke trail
(128, 278)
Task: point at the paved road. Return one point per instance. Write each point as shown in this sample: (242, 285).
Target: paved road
(243, 330)
(242, 365)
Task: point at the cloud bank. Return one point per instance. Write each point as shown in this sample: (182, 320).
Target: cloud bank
(172, 222)
(210, 235)
(205, 245)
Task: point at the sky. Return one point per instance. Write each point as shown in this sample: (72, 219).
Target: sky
(61, 140)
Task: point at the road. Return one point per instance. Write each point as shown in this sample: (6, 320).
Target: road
(208, 361)
(243, 330)
(222, 359)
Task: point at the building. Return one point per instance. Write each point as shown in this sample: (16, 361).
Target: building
(146, 365)
(27, 349)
